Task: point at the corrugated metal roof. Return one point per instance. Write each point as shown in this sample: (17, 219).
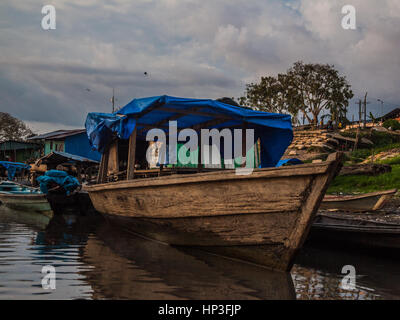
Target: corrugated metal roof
(60, 157)
(58, 134)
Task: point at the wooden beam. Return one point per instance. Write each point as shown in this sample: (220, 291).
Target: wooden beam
(102, 175)
(199, 164)
(132, 155)
(113, 160)
(244, 151)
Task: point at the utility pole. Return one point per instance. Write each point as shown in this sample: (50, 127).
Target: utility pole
(365, 109)
(359, 113)
(381, 101)
(113, 102)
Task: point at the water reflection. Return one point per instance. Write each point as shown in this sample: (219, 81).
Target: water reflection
(130, 267)
(95, 260)
(23, 253)
(317, 274)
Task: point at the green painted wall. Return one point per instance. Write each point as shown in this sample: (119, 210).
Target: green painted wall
(53, 145)
(251, 157)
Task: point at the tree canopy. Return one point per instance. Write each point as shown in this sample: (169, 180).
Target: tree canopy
(12, 128)
(306, 88)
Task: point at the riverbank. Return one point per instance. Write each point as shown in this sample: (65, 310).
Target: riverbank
(386, 150)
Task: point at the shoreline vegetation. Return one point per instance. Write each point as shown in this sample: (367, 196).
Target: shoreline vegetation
(386, 150)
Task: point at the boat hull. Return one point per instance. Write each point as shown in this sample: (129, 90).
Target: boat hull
(27, 202)
(354, 232)
(77, 203)
(261, 218)
(364, 202)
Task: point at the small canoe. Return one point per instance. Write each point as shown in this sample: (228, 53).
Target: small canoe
(24, 198)
(363, 202)
(351, 230)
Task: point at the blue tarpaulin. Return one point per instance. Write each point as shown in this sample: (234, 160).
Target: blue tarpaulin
(54, 178)
(273, 130)
(13, 167)
(288, 162)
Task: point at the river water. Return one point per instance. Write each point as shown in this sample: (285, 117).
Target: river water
(95, 260)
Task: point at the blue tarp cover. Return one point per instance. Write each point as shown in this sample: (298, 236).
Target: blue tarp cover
(288, 162)
(274, 130)
(13, 167)
(60, 178)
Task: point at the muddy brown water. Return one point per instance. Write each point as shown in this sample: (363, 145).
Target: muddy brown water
(95, 260)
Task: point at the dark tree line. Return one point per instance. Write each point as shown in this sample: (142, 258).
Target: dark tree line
(305, 90)
(12, 128)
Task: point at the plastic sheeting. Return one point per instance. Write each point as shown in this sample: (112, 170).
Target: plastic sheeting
(273, 130)
(14, 167)
(53, 178)
(289, 162)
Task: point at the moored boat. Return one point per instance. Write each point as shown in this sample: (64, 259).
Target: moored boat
(262, 217)
(360, 230)
(362, 202)
(24, 198)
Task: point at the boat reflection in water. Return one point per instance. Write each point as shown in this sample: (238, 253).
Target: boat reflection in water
(131, 267)
(35, 220)
(94, 260)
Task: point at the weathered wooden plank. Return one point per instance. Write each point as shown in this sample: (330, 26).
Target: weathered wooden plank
(248, 229)
(299, 170)
(113, 161)
(131, 155)
(207, 199)
(102, 175)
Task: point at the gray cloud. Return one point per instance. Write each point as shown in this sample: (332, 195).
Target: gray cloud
(189, 48)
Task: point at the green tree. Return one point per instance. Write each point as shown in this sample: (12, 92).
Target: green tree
(305, 88)
(12, 128)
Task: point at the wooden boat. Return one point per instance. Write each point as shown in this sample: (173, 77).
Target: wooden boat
(24, 198)
(363, 202)
(262, 218)
(350, 230)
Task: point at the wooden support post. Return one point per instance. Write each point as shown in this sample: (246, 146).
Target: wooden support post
(199, 165)
(244, 151)
(113, 161)
(102, 175)
(130, 174)
(79, 169)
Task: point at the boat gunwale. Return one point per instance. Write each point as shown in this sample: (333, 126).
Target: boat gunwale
(381, 229)
(6, 195)
(347, 218)
(333, 198)
(221, 175)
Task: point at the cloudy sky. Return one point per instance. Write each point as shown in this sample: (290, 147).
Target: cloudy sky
(189, 48)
